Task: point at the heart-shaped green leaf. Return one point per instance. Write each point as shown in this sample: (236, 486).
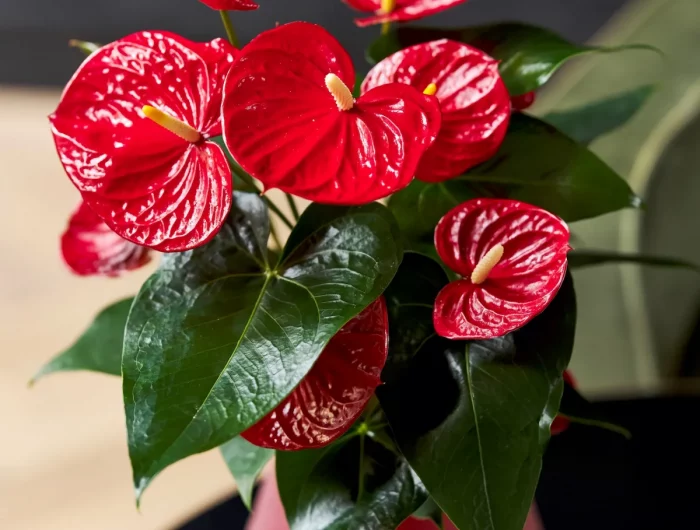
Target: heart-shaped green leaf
(528, 55)
(473, 418)
(99, 348)
(219, 335)
(320, 487)
(245, 461)
(588, 258)
(536, 164)
(585, 124)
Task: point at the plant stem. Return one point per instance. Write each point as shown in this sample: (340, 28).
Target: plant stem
(361, 478)
(600, 424)
(293, 206)
(228, 26)
(386, 27)
(249, 181)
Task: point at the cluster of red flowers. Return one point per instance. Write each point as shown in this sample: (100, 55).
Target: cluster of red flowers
(135, 128)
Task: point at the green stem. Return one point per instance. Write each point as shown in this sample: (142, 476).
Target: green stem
(228, 25)
(249, 181)
(600, 424)
(293, 206)
(361, 478)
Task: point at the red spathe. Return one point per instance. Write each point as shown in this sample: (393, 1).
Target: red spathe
(283, 126)
(473, 99)
(404, 11)
(150, 186)
(519, 286)
(336, 389)
(231, 5)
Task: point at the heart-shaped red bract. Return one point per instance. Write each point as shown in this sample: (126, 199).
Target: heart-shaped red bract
(518, 287)
(89, 247)
(231, 5)
(560, 423)
(284, 127)
(474, 100)
(334, 393)
(404, 11)
(149, 185)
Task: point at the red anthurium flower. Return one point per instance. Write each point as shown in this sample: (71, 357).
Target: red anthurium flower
(90, 247)
(157, 182)
(523, 101)
(560, 423)
(474, 101)
(291, 121)
(512, 257)
(334, 393)
(399, 10)
(231, 5)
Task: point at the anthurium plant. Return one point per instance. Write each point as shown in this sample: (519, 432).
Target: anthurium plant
(403, 352)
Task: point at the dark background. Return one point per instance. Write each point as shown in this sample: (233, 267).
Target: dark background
(34, 33)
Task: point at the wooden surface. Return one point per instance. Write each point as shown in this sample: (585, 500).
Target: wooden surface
(63, 456)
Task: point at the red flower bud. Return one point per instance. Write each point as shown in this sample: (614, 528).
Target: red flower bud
(512, 257)
(291, 121)
(523, 101)
(473, 98)
(334, 393)
(157, 182)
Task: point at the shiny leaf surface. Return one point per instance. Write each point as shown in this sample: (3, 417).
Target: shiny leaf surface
(149, 185)
(333, 394)
(404, 11)
(474, 102)
(285, 127)
(99, 348)
(245, 461)
(528, 55)
(589, 258)
(588, 122)
(218, 336)
(479, 425)
(320, 487)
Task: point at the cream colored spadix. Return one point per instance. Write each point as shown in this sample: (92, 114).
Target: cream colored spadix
(174, 125)
(486, 264)
(340, 91)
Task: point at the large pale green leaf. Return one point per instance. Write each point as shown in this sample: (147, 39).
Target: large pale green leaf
(585, 124)
(536, 164)
(319, 488)
(219, 335)
(245, 461)
(528, 55)
(99, 348)
(473, 418)
(588, 258)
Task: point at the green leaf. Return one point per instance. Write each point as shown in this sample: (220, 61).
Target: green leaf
(319, 487)
(536, 164)
(99, 348)
(588, 258)
(585, 124)
(473, 418)
(245, 461)
(219, 335)
(578, 409)
(528, 55)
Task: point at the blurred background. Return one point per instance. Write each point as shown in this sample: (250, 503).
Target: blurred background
(64, 463)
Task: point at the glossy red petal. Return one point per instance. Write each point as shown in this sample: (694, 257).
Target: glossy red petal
(334, 393)
(128, 168)
(283, 126)
(89, 247)
(473, 98)
(230, 5)
(523, 101)
(405, 10)
(518, 287)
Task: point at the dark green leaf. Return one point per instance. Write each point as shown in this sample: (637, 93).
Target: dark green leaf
(585, 124)
(99, 348)
(473, 418)
(219, 335)
(587, 258)
(578, 409)
(536, 164)
(245, 461)
(528, 55)
(319, 488)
